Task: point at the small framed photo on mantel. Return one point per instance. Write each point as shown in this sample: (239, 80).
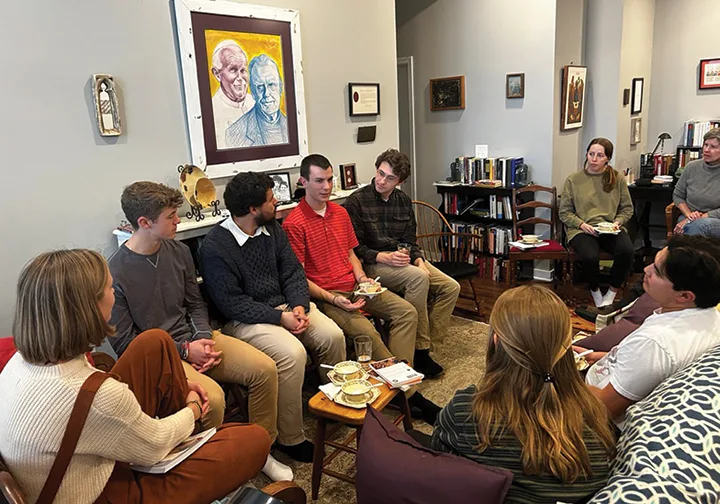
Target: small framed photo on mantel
(348, 178)
(364, 99)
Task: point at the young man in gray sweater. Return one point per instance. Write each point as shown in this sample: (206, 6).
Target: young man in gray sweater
(156, 286)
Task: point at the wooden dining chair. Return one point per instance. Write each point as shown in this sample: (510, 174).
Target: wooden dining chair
(554, 250)
(452, 253)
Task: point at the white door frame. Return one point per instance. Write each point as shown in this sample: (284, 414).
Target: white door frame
(407, 62)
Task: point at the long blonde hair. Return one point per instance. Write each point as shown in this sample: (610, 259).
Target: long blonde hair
(57, 316)
(532, 388)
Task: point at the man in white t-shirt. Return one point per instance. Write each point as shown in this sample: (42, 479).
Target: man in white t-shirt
(685, 280)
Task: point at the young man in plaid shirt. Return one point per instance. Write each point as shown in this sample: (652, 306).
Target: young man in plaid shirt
(383, 218)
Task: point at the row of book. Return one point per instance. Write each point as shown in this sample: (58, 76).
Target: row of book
(491, 268)
(693, 132)
(491, 206)
(471, 170)
(686, 156)
(493, 239)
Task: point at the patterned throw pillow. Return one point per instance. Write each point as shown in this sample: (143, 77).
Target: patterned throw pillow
(670, 449)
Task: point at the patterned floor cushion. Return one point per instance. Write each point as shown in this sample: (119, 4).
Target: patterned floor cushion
(670, 449)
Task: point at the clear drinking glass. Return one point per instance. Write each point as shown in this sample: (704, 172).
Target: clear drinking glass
(363, 349)
(404, 248)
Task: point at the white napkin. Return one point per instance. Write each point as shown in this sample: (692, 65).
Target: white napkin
(330, 390)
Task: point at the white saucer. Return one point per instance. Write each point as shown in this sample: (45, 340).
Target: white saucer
(370, 295)
(333, 377)
(607, 231)
(371, 396)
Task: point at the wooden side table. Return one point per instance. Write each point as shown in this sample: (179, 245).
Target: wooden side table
(325, 409)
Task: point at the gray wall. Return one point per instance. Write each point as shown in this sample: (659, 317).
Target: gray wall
(569, 39)
(63, 180)
(685, 33)
(483, 40)
(603, 42)
(635, 61)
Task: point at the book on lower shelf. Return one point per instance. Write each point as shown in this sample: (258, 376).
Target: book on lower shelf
(177, 454)
(395, 373)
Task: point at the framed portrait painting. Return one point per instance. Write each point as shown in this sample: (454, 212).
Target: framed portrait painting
(709, 74)
(515, 85)
(447, 93)
(573, 97)
(243, 83)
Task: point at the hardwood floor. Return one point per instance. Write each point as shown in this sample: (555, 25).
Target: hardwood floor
(488, 292)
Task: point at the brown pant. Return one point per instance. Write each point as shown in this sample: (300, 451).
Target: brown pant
(152, 368)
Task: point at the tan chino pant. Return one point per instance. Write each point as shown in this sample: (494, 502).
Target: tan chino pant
(290, 356)
(243, 364)
(433, 296)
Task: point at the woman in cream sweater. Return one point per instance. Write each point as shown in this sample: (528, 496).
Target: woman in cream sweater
(64, 302)
(595, 207)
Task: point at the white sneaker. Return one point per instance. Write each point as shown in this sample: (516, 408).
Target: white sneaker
(608, 298)
(277, 471)
(597, 297)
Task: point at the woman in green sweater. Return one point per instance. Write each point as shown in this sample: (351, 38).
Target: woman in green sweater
(531, 413)
(595, 207)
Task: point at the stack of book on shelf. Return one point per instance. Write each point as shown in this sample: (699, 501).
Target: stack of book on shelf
(491, 206)
(694, 131)
(688, 155)
(486, 172)
(396, 373)
(493, 239)
(662, 163)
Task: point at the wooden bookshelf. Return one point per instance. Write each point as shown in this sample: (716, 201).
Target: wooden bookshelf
(495, 229)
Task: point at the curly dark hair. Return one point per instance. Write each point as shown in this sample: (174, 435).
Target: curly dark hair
(398, 161)
(693, 264)
(148, 199)
(246, 190)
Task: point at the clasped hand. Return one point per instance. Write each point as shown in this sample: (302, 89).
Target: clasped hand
(201, 354)
(197, 393)
(295, 321)
(692, 216)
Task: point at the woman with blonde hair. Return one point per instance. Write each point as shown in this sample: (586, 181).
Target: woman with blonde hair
(49, 393)
(531, 413)
(595, 206)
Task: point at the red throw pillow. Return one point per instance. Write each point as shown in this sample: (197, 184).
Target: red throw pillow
(7, 350)
(392, 467)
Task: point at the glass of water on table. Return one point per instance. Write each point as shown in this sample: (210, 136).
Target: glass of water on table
(363, 350)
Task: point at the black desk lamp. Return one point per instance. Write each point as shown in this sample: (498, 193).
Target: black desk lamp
(648, 169)
(661, 140)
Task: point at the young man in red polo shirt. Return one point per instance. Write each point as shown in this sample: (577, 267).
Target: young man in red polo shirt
(322, 236)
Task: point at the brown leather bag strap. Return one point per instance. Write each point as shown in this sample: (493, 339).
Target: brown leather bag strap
(72, 435)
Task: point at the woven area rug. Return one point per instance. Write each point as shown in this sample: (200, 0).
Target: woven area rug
(462, 354)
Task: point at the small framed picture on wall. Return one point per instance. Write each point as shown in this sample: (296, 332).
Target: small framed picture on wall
(638, 83)
(348, 178)
(635, 130)
(709, 74)
(515, 85)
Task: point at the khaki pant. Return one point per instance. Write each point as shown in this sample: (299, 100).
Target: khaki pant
(390, 307)
(288, 352)
(152, 368)
(433, 297)
(245, 365)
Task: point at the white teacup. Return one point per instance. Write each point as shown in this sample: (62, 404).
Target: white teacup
(356, 391)
(530, 238)
(348, 370)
